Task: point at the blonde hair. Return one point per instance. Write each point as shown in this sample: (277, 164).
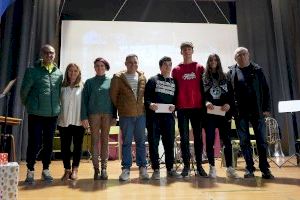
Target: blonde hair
(66, 81)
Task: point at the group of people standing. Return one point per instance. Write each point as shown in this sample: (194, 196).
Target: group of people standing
(188, 89)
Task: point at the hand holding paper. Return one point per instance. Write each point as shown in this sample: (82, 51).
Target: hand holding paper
(164, 108)
(216, 111)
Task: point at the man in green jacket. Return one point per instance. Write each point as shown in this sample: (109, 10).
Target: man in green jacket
(40, 93)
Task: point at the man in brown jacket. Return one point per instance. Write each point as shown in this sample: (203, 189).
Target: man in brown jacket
(127, 94)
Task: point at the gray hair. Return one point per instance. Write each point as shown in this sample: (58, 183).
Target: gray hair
(239, 50)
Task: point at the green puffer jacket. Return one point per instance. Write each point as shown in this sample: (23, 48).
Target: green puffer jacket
(40, 90)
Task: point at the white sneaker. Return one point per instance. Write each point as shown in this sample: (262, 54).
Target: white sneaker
(29, 177)
(46, 175)
(212, 172)
(124, 175)
(156, 174)
(143, 173)
(231, 173)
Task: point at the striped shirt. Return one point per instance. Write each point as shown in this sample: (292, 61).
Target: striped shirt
(133, 82)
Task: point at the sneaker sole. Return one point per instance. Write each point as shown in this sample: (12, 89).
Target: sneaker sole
(144, 178)
(155, 178)
(121, 179)
(29, 182)
(249, 176)
(175, 177)
(47, 181)
(234, 177)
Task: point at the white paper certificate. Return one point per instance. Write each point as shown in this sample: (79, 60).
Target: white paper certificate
(163, 108)
(216, 111)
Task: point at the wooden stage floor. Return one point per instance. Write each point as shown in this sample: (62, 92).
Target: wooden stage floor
(285, 186)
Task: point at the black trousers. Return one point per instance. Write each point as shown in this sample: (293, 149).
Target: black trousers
(220, 122)
(67, 134)
(40, 136)
(195, 116)
(161, 126)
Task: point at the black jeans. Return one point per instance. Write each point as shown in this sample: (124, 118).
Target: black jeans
(195, 116)
(40, 135)
(161, 125)
(259, 127)
(66, 135)
(220, 122)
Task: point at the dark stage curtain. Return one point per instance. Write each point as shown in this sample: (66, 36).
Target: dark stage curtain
(25, 27)
(270, 29)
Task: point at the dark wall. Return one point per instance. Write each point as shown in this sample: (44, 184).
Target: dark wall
(184, 11)
(271, 31)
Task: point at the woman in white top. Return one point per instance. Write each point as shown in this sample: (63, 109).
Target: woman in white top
(69, 124)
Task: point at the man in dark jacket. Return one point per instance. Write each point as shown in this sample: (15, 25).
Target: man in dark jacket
(252, 104)
(160, 91)
(40, 93)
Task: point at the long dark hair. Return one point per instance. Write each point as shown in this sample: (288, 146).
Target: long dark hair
(219, 70)
(66, 81)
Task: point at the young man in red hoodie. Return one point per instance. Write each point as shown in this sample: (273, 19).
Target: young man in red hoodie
(190, 106)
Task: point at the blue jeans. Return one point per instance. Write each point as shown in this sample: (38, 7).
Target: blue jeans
(133, 127)
(259, 127)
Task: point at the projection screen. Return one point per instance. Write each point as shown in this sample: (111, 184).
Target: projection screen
(83, 41)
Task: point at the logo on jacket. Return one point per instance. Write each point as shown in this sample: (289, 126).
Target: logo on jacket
(189, 76)
(165, 87)
(215, 92)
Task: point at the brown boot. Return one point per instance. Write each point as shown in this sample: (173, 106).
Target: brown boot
(74, 175)
(66, 175)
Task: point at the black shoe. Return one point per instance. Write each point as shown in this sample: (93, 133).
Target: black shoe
(267, 175)
(104, 175)
(173, 174)
(97, 175)
(185, 172)
(201, 172)
(248, 174)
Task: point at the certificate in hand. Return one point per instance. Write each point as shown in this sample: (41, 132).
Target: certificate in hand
(216, 111)
(163, 108)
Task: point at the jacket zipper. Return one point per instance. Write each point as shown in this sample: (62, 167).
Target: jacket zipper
(51, 93)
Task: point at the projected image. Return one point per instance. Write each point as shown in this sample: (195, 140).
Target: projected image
(83, 41)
